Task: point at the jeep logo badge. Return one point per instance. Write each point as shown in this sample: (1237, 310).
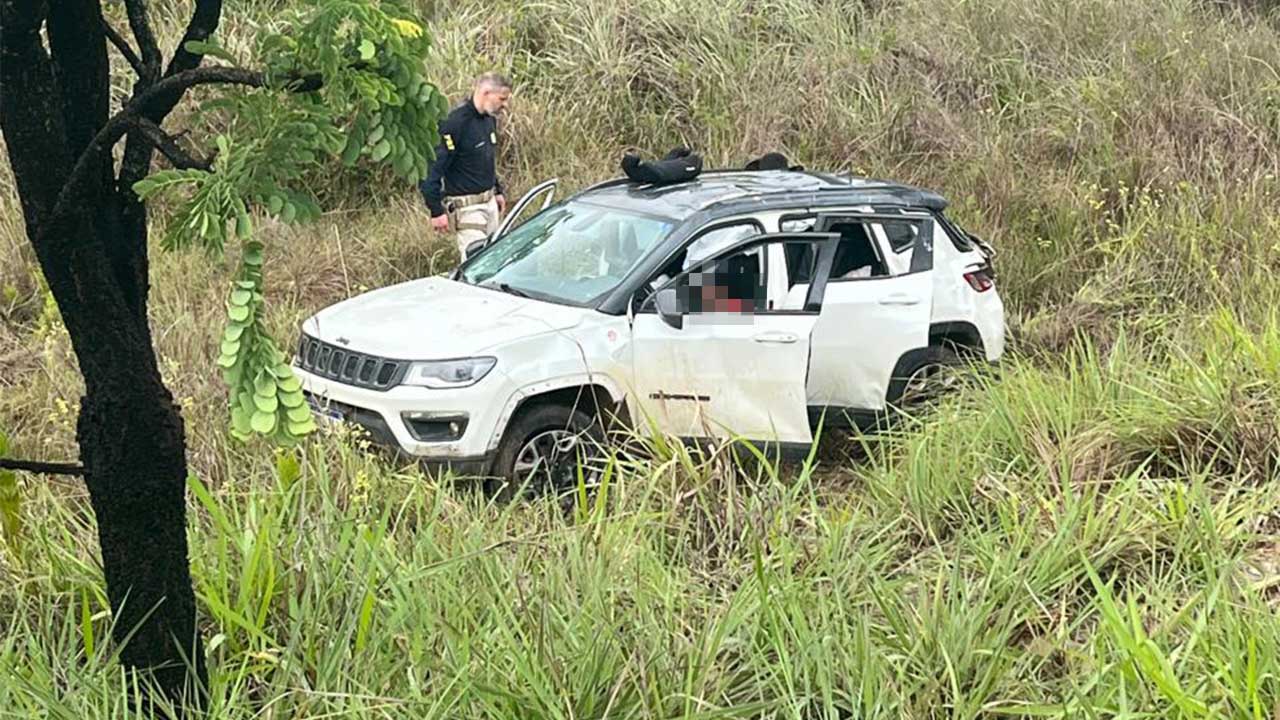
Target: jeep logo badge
(344, 341)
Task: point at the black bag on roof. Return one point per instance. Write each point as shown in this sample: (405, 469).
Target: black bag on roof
(772, 161)
(679, 165)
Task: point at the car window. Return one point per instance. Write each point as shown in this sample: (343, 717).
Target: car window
(740, 283)
(856, 254)
(716, 239)
(573, 252)
(797, 223)
(704, 245)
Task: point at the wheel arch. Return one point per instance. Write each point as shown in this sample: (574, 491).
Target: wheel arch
(594, 393)
(960, 336)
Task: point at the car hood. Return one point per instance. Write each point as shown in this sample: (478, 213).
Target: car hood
(435, 318)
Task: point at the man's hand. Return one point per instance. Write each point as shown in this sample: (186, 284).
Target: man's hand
(502, 203)
(440, 223)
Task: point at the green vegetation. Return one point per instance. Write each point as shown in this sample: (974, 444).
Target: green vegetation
(1093, 532)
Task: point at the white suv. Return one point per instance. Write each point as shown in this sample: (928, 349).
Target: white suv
(737, 304)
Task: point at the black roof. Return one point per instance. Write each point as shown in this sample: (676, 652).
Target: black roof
(760, 189)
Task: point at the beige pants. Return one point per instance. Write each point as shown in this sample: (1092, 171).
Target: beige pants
(474, 222)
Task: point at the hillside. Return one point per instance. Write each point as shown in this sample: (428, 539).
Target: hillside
(1093, 531)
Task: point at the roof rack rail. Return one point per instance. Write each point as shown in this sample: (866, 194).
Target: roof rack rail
(836, 181)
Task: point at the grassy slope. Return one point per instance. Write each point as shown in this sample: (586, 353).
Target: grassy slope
(1122, 154)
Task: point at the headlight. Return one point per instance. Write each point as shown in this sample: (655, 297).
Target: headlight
(448, 373)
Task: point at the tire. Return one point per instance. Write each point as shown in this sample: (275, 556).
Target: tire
(908, 387)
(543, 430)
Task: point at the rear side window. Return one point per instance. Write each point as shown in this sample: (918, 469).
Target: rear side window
(900, 235)
(856, 254)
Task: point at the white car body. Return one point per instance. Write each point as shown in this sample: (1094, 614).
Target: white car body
(761, 376)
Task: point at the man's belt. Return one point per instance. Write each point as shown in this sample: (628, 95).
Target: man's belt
(461, 201)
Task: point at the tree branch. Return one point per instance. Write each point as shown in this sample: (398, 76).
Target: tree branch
(122, 121)
(123, 46)
(141, 26)
(168, 146)
(43, 468)
(204, 21)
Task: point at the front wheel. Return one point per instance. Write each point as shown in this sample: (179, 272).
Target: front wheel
(542, 450)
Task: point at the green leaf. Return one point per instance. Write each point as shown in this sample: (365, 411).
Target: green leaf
(263, 422)
(302, 428)
(381, 150)
(298, 414)
(244, 226)
(266, 404)
(367, 50)
(240, 421)
(226, 361)
(290, 212)
(240, 297)
(282, 371)
(230, 348)
(265, 386)
(238, 313)
(10, 509)
(274, 204)
(292, 399)
(199, 47)
(247, 284)
(351, 151)
(143, 188)
(253, 254)
(288, 469)
(290, 384)
(233, 333)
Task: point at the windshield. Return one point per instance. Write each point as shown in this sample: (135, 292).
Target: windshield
(572, 252)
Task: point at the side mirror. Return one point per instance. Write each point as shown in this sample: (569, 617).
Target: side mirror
(474, 247)
(668, 307)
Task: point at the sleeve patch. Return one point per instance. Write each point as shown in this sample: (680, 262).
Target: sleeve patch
(448, 141)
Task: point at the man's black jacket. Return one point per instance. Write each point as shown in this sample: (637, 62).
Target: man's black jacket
(466, 159)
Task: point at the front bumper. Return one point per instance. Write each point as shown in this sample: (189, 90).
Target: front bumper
(382, 414)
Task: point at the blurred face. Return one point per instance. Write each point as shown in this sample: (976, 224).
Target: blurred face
(491, 100)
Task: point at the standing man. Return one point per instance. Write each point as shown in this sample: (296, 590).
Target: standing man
(463, 185)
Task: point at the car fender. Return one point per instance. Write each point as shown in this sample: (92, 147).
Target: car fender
(578, 379)
(545, 364)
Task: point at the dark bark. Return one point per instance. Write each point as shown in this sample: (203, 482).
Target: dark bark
(40, 467)
(53, 112)
(169, 147)
(122, 46)
(129, 258)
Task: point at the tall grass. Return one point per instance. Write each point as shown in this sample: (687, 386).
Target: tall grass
(1065, 544)
(1090, 533)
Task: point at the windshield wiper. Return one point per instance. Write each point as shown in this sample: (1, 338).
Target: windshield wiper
(506, 288)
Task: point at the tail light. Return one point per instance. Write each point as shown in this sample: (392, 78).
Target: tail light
(980, 279)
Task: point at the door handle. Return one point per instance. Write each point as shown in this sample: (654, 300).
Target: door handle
(776, 336)
(899, 299)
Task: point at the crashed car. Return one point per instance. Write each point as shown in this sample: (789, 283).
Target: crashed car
(746, 305)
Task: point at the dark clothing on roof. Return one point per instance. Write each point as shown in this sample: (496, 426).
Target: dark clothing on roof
(466, 159)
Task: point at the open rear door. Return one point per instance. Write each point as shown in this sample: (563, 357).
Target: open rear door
(874, 311)
(713, 359)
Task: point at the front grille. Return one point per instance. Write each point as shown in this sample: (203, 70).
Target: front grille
(348, 367)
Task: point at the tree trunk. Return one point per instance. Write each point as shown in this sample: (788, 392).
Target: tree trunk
(93, 256)
(132, 446)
